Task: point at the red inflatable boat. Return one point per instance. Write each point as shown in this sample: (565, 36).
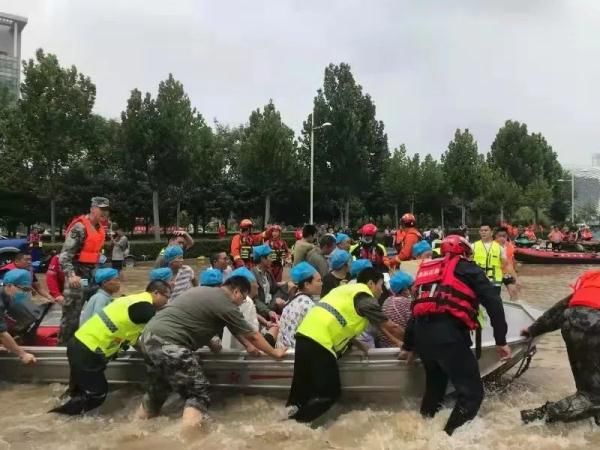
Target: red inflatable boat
(533, 256)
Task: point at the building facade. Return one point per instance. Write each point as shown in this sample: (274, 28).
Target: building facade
(11, 27)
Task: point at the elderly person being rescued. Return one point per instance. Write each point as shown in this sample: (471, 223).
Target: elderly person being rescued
(184, 276)
(309, 284)
(110, 284)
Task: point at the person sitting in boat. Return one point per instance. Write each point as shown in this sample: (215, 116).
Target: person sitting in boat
(14, 295)
(110, 284)
(23, 261)
(397, 306)
(578, 318)
(530, 233)
(325, 334)
(368, 248)
(343, 241)
(571, 236)
(339, 261)
(586, 233)
(309, 284)
(180, 238)
(421, 252)
(211, 278)
(448, 292)
(169, 342)
(100, 340)
(555, 237)
(184, 276)
(163, 274)
(270, 299)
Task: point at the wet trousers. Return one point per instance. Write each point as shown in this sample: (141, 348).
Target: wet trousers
(88, 387)
(581, 333)
(316, 383)
(73, 304)
(444, 348)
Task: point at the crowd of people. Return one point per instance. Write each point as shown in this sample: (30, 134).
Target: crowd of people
(423, 298)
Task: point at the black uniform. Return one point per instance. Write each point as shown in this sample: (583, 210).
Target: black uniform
(443, 344)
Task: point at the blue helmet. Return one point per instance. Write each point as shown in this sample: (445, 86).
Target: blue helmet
(419, 248)
(211, 277)
(400, 281)
(358, 266)
(302, 271)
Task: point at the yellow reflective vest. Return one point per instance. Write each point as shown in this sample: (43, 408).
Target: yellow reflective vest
(333, 322)
(490, 261)
(111, 328)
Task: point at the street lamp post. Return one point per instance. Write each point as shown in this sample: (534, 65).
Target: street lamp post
(312, 161)
(572, 180)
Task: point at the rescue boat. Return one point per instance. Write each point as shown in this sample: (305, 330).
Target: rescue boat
(537, 256)
(377, 372)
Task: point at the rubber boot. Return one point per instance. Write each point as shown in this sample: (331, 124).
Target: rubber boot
(530, 415)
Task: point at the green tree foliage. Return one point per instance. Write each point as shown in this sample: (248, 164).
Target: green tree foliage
(350, 155)
(55, 113)
(267, 155)
(523, 156)
(462, 165)
(538, 195)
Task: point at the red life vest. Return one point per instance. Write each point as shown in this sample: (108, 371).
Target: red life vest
(438, 291)
(587, 290)
(94, 241)
(280, 251)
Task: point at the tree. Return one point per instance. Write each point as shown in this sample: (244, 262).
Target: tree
(523, 157)
(461, 165)
(433, 190)
(499, 196)
(54, 115)
(396, 179)
(267, 155)
(351, 154)
(538, 194)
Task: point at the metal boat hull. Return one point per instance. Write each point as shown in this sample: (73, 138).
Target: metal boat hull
(378, 372)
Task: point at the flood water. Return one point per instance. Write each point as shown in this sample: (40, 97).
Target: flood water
(254, 422)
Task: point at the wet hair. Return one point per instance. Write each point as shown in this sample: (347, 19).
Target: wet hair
(327, 241)
(159, 286)
(486, 224)
(303, 283)
(215, 257)
(369, 274)
(240, 283)
(308, 231)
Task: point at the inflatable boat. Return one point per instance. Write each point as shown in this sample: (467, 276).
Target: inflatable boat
(536, 256)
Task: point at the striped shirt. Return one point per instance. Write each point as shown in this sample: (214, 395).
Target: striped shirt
(183, 281)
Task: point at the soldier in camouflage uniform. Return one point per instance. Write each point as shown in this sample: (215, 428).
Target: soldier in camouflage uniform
(78, 259)
(578, 317)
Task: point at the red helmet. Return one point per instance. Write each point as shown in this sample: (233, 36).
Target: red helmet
(408, 220)
(456, 245)
(368, 230)
(246, 223)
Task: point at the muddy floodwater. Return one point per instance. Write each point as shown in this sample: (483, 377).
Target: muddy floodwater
(255, 422)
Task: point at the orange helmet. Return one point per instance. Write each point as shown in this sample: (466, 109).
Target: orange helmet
(368, 229)
(456, 245)
(246, 223)
(408, 220)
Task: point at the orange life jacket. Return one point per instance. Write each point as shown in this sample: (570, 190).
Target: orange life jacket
(587, 290)
(438, 291)
(94, 241)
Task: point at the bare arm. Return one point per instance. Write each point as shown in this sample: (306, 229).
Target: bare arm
(393, 331)
(260, 343)
(189, 241)
(9, 343)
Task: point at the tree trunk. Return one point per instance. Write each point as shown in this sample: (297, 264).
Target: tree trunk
(341, 218)
(442, 217)
(156, 218)
(267, 209)
(347, 216)
(463, 214)
(52, 220)
(412, 205)
(396, 216)
(178, 213)
(501, 213)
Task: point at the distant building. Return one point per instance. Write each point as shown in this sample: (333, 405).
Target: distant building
(596, 160)
(587, 188)
(10, 51)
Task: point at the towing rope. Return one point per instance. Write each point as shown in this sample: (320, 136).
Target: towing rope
(525, 361)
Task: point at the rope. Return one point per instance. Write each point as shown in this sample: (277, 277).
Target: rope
(523, 366)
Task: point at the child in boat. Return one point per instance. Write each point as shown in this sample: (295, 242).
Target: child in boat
(309, 284)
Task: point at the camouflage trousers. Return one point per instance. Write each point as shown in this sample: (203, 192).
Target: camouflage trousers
(172, 368)
(581, 333)
(72, 306)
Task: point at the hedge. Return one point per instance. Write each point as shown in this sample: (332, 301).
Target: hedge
(150, 250)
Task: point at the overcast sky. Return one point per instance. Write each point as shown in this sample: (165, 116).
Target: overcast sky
(430, 66)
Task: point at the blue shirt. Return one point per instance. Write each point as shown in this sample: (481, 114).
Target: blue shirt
(95, 304)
